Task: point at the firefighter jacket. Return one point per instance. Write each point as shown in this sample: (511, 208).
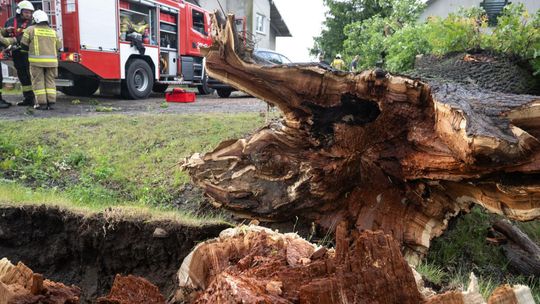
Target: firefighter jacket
(18, 24)
(338, 64)
(42, 44)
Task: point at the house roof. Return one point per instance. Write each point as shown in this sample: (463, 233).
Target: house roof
(277, 22)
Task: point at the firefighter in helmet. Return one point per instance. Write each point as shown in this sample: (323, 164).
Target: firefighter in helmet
(42, 44)
(15, 27)
(338, 63)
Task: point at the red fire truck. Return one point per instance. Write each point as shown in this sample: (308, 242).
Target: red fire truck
(127, 47)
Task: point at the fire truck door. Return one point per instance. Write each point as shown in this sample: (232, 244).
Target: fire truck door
(97, 25)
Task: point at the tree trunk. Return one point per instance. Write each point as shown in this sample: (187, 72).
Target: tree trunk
(378, 150)
(522, 253)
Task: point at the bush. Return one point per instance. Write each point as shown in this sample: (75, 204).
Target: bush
(401, 39)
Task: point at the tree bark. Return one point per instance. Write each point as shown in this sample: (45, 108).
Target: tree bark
(522, 253)
(378, 150)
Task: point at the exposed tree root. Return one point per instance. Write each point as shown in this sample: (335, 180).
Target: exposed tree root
(382, 151)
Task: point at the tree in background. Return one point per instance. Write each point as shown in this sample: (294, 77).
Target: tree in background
(368, 38)
(340, 14)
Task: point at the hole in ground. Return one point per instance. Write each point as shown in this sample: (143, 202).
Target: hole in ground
(88, 251)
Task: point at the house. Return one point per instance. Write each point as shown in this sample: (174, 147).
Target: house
(441, 8)
(261, 18)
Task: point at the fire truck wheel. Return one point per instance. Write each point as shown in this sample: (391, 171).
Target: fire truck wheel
(160, 88)
(139, 80)
(82, 86)
(224, 93)
(204, 89)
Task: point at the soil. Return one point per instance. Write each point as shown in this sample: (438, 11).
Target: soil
(88, 251)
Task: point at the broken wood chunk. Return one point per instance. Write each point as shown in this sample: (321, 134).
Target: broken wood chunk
(20, 285)
(131, 290)
(252, 265)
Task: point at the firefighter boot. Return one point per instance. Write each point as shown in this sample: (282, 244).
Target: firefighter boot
(28, 100)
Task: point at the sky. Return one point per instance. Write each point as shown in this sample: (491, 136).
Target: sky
(304, 19)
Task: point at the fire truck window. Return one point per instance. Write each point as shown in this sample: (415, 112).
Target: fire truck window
(198, 22)
(138, 22)
(38, 5)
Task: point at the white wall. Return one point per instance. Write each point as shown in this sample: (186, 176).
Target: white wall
(262, 7)
(441, 8)
(240, 8)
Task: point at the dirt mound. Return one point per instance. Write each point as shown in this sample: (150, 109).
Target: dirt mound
(88, 251)
(490, 72)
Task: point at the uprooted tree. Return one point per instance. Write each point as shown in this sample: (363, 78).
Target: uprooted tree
(379, 151)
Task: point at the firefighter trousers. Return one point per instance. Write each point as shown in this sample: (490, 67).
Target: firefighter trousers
(20, 60)
(44, 85)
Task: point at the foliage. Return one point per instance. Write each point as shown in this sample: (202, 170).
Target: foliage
(369, 41)
(371, 37)
(342, 13)
(518, 33)
(393, 36)
(456, 33)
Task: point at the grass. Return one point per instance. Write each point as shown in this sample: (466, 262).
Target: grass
(109, 160)
(433, 273)
(14, 194)
(463, 249)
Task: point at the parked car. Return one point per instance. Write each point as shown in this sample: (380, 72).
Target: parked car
(261, 55)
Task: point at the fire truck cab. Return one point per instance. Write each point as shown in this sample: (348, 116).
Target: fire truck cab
(126, 47)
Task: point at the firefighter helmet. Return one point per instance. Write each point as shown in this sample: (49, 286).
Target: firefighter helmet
(24, 5)
(338, 56)
(40, 16)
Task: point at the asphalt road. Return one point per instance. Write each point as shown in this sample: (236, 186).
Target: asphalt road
(68, 106)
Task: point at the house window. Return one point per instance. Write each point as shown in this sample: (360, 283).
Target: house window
(260, 24)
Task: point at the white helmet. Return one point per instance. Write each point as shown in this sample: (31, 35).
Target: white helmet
(40, 16)
(25, 5)
(338, 56)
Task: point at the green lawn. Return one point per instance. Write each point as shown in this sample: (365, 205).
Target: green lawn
(14, 194)
(109, 160)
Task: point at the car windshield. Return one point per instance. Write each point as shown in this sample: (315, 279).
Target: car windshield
(273, 57)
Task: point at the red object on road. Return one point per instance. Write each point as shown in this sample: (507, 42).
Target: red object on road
(180, 95)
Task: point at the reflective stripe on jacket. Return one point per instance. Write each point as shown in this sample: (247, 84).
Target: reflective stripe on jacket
(43, 45)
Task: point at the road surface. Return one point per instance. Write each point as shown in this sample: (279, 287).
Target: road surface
(68, 106)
